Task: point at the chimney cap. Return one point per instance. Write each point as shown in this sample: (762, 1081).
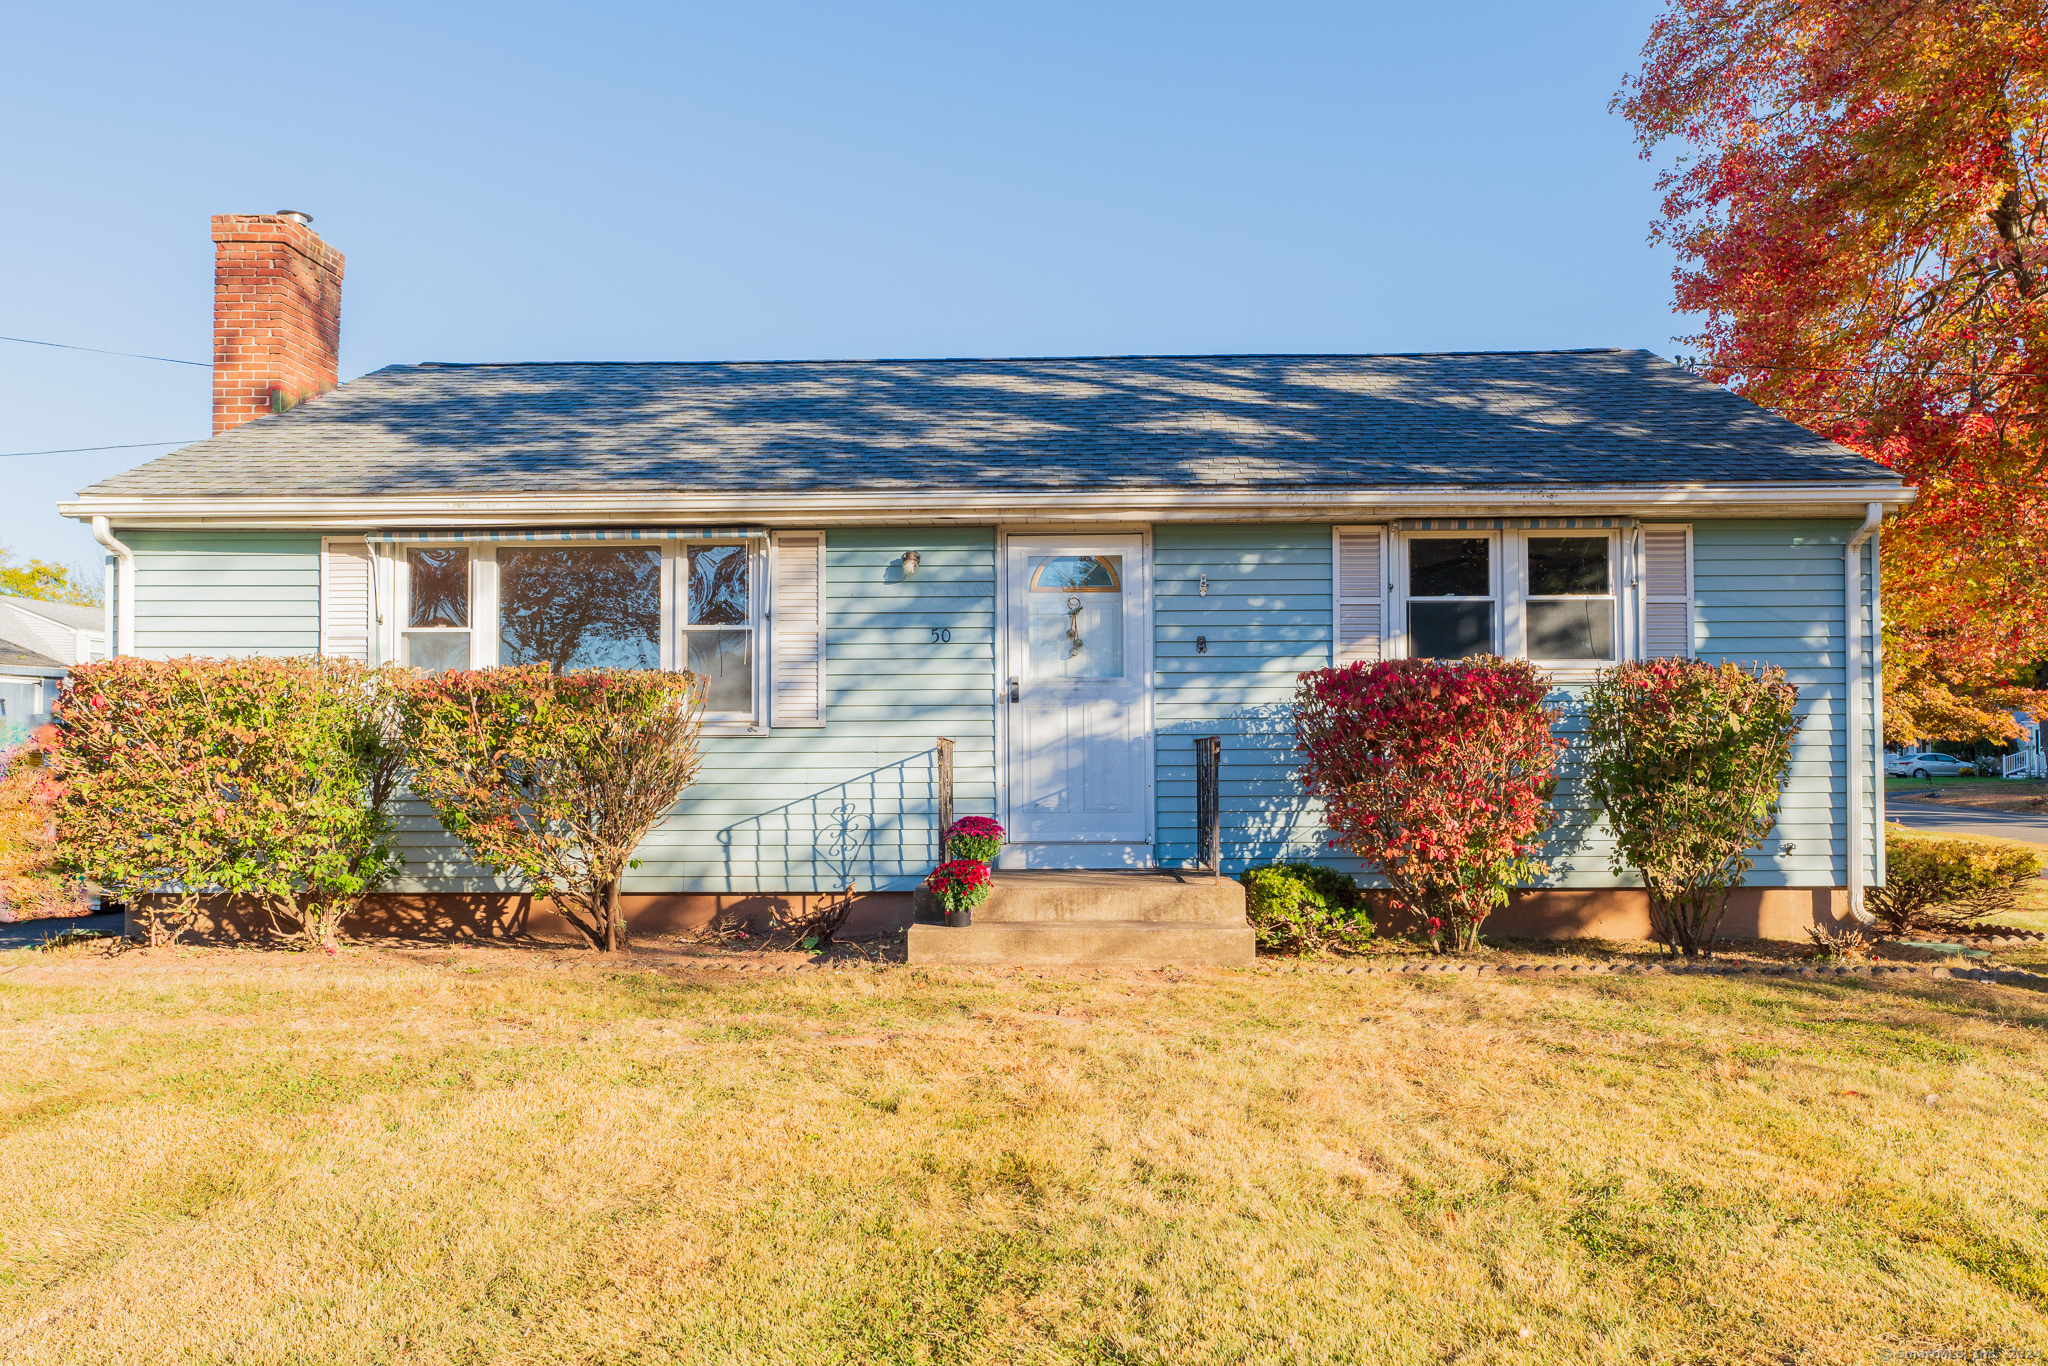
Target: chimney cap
(296, 216)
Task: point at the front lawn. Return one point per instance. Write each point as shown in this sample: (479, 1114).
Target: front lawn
(535, 1156)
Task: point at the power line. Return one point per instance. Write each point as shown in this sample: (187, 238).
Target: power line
(131, 355)
(74, 450)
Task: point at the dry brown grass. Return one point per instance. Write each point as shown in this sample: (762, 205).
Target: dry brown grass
(481, 1156)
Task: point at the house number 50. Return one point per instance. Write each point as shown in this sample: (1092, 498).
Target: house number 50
(941, 635)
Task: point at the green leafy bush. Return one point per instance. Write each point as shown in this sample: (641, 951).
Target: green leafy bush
(554, 779)
(1305, 908)
(269, 779)
(1688, 761)
(1944, 884)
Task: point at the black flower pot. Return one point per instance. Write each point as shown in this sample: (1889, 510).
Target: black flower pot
(961, 918)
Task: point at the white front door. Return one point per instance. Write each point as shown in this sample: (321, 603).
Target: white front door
(1077, 692)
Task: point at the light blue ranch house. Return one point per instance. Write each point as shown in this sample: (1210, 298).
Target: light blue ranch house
(1040, 589)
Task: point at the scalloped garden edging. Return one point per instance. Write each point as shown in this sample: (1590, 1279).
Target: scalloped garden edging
(2004, 976)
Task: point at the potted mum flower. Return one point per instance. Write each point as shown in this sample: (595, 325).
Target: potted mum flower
(960, 884)
(975, 837)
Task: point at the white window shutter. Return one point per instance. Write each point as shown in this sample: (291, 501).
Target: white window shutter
(796, 688)
(1667, 592)
(1360, 555)
(345, 600)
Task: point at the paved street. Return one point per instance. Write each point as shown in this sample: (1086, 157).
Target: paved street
(17, 934)
(1949, 820)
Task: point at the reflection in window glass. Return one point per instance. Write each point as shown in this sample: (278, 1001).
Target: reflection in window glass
(1077, 574)
(1571, 628)
(1449, 567)
(1450, 630)
(1571, 607)
(580, 608)
(717, 594)
(18, 715)
(725, 661)
(718, 585)
(1560, 565)
(1075, 625)
(436, 651)
(440, 586)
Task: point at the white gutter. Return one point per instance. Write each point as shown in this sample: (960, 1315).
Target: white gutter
(1274, 502)
(121, 633)
(1852, 673)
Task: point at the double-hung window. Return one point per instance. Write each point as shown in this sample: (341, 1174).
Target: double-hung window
(718, 626)
(1557, 592)
(629, 604)
(438, 584)
(1452, 592)
(1570, 612)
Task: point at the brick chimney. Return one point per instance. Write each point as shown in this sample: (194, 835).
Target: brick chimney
(276, 315)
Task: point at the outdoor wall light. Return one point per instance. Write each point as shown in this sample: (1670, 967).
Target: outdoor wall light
(910, 562)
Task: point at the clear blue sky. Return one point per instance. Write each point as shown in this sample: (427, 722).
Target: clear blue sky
(733, 181)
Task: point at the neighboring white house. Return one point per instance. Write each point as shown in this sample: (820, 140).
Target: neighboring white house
(66, 633)
(39, 641)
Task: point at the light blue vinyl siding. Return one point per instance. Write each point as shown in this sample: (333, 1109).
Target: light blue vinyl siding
(794, 810)
(225, 593)
(1765, 591)
(1771, 592)
(856, 800)
(1266, 619)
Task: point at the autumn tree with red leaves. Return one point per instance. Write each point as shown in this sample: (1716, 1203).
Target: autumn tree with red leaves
(1860, 216)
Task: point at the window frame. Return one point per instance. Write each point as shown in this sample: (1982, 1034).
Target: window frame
(1615, 596)
(401, 613)
(675, 626)
(484, 628)
(1401, 638)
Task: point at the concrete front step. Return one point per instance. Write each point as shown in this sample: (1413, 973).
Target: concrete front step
(1037, 896)
(1058, 943)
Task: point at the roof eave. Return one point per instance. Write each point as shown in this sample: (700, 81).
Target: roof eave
(1279, 503)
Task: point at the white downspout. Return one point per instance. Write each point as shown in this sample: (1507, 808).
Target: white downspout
(1877, 702)
(1852, 674)
(121, 613)
(376, 603)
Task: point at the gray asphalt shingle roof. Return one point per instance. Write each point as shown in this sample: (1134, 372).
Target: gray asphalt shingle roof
(1500, 418)
(63, 613)
(23, 657)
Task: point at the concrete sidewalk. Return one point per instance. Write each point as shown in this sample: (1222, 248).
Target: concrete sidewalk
(1936, 819)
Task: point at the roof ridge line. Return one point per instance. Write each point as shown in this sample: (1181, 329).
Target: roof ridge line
(1012, 360)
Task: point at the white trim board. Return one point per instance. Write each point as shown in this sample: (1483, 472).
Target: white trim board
(970, 506)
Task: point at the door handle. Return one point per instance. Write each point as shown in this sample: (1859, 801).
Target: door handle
(1013, 689)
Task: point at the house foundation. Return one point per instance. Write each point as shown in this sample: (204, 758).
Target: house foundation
(1185, 918)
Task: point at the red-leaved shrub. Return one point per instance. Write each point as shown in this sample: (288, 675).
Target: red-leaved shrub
(1437, 775)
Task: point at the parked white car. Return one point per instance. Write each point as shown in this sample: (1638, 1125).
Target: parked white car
(1925, 764)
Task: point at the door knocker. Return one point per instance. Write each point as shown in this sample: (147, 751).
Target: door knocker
(1074, 626)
